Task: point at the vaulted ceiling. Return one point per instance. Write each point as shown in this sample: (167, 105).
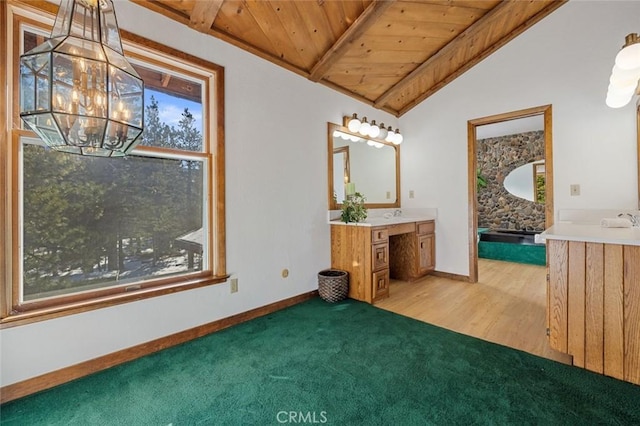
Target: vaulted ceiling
(390, 54)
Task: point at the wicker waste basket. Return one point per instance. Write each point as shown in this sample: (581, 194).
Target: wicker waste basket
(333, 285)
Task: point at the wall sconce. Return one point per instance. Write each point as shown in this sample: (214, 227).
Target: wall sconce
(625, 75)
(77, 90)
(373, 130)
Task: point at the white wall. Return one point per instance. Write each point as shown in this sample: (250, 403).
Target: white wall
(564, 60)
(276, 159)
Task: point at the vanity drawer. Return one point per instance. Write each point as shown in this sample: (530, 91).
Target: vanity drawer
(379, 256)
(380, 284)
(426, 227)
(379, 235)
(402, 228)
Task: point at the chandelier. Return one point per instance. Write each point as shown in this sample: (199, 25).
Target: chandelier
(77, 90)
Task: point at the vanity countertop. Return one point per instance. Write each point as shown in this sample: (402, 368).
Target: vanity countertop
(383, 221)
(591, 234)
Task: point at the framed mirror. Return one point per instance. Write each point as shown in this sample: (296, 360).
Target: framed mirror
(365, 165)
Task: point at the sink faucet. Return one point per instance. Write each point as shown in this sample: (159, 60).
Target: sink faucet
(397, 213)
(635, 220)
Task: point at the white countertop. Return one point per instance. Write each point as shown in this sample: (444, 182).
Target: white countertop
(385, 217)
(382, 221)
(591, 234)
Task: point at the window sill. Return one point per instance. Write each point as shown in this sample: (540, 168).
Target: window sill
(18, 318)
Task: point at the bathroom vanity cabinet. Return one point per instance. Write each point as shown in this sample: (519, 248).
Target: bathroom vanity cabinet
(374, 253)
(593, 298)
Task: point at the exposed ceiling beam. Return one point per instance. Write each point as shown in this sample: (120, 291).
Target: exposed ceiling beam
(182, 18)
(495, 46)
(459, 42)
(165, 80)
(354, 32)
(204, 13)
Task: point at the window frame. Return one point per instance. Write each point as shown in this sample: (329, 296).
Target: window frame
(14, 14)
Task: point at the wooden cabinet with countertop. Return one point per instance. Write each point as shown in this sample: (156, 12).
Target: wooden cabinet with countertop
(374, 254)
(593, 300)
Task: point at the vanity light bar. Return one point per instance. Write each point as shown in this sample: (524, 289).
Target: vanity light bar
(372, 130)
(624, 81)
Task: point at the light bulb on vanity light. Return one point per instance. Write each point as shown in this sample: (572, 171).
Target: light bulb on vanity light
(622, 86)
(354, 123)
(624, 81)
(383, 131)
(624, 77)
(364, 127)
(374, 130)
(397, 138)
(617, 98)
(390, 135)
(629, 56)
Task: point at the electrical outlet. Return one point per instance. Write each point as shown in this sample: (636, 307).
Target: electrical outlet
(575, 189)
(285, 273)
(234, 285)
(388, 195)
(411, 194)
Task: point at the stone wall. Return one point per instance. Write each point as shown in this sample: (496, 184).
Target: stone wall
(497, 157)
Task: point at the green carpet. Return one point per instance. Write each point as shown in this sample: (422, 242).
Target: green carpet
(345, 364)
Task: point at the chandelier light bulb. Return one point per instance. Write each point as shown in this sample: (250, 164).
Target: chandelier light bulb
(364, 127)
(629, 56)
(354, 123)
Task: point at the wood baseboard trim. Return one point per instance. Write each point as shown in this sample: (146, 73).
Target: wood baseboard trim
(464, 278)
(67, 374)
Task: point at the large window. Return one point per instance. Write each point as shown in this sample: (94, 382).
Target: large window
(89, 231)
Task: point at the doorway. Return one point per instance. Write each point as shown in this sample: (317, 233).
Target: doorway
(472, 130)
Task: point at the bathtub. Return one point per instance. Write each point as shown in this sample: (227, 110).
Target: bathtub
(509, 236)
(511, 246)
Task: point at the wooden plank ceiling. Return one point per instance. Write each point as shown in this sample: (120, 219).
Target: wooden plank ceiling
(390, 54)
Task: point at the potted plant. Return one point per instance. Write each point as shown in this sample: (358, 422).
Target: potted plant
(482, 181)
(353, 209)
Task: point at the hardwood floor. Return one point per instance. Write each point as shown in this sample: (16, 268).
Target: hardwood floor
(507, 306)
